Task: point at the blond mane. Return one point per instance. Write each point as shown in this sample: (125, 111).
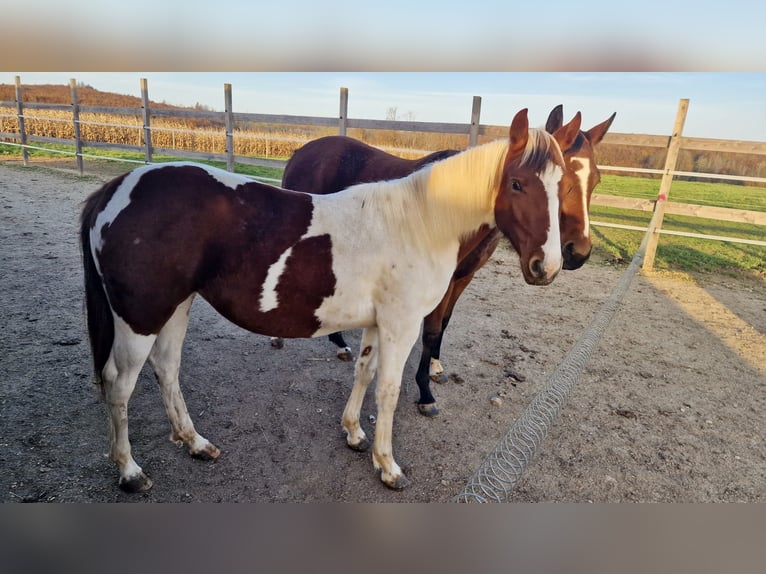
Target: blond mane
(455, 196)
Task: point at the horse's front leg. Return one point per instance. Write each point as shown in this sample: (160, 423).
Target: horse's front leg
(395, 346)
(430, 338)
(364, 371)
(445, 308)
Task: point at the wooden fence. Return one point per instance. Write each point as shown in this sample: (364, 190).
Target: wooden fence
(473, 130)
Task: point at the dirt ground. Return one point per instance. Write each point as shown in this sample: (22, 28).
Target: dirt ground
(670, 407)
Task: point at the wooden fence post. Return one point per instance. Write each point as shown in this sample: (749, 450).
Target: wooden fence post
(20, 116)
(473, 137)
(343, 116)
(667, 177)
(229, 127)
(76, 122)
(146, 117)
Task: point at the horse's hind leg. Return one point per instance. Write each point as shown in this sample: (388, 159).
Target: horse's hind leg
(165, 359)
(364, 371)
(127, 357)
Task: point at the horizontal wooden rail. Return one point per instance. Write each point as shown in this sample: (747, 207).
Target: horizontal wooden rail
(681, 233)
(676, 208)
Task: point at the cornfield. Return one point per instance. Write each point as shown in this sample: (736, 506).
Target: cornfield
(257, 140)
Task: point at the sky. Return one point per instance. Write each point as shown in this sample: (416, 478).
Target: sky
(428, 61)
(722, 105)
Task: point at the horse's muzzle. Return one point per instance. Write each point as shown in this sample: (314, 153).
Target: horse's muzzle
(538, 274)
(573, 259)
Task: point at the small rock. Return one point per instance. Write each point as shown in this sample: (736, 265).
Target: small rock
(496, 401)
(514, 375)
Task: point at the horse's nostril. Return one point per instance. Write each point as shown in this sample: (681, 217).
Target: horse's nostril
(568, 249)
(536, 266)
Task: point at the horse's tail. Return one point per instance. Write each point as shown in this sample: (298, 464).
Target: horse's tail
(97, 310)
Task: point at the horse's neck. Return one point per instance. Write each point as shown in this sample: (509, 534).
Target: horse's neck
(435, 207)
(460, 191)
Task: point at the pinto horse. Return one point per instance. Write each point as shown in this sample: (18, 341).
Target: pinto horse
(332, 163)
(292, 264)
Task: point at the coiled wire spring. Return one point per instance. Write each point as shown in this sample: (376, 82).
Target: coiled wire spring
(496, 477)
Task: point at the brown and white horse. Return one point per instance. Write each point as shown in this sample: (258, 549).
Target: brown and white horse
(291, 264)
(332, 163)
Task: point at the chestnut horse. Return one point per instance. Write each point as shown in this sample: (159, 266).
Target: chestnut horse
(292, 264)
(330, 164)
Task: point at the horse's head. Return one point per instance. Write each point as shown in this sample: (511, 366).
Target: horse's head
(527, 203)
(576, 189)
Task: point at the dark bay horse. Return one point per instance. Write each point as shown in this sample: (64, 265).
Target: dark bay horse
(330, 164)
(292, 264)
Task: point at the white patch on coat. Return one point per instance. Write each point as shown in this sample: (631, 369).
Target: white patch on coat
(227, 178)
(119, 201)
(269, 300)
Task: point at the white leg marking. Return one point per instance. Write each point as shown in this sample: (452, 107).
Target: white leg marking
(552, 247)
(129, 352)
(395, 346)
(435, 368)
(268, 300)
(364, 371)
(165, 359)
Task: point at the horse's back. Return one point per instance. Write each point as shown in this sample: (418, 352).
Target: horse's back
(333, 163)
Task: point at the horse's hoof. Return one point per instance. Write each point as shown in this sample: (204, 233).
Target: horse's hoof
(210, 452)
(399, 483)
(440, 378)
(362, 446)
(277, 342)
(135, 484)
(345, 355)
(429, 410)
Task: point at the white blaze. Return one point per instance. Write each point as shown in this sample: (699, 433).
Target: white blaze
(583, 174)
(552, 246)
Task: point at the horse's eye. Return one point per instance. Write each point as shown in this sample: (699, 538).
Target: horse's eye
(515, 185)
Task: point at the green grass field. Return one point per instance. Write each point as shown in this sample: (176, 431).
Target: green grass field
(700, 193)
(684, 253)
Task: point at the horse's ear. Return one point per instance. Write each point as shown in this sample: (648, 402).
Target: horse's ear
(597, 133)
(566, 135)
(555, 119)
(519, 132)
